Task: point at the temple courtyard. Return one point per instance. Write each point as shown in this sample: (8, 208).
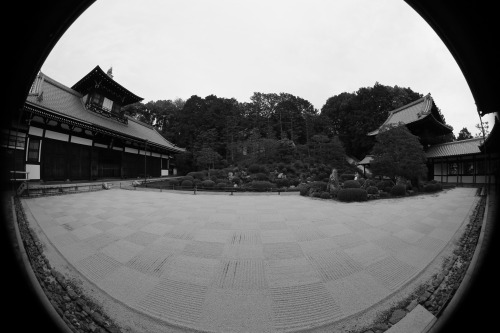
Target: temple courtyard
(245, 263)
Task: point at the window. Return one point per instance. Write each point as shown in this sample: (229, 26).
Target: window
(468, 168)
(452, 168)
(116, 108)
(107, 104)
(97, 99)
(480, 167)
(33, 150)
(13, 139)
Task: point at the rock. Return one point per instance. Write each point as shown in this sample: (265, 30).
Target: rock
(424, 297)
(381, 326)
(413, 304)
(397, 316)
(98, 318)
(72, 294)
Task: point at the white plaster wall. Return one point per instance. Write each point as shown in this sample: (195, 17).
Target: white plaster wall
(81, 141)
(56, 135)
(35, 131)
(131, 150)
(34, 171)
(164, 172)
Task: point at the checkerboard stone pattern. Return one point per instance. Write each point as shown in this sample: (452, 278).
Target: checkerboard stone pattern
(263, 263)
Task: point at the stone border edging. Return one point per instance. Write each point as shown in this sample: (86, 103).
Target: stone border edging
(34, 281)
(436, 325)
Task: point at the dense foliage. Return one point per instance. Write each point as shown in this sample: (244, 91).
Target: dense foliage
(398, 153)
(271, 128)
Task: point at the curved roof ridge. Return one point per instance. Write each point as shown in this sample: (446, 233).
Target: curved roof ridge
(139, 122)
(59, 85)
(420, 100)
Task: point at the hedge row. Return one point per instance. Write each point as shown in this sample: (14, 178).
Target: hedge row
(352, 194)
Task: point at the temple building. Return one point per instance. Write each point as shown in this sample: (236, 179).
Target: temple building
(422, 118)
(472, 161)
(81, 133)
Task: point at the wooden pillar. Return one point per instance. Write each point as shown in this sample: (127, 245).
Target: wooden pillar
(474, 169)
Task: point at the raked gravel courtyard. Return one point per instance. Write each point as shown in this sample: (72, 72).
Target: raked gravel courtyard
(248, 263)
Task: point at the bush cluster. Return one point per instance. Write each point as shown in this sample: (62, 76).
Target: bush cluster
(398, 190)
(432, 187)
(174, 182)
(187, 183)
(208, 183)
(352, 194)
(282, 182)
(256, 168)
(346, 176)
(262, 186)
(197, 175)
(191, 178)
(385, 184)
(372, 190)
(352, 184)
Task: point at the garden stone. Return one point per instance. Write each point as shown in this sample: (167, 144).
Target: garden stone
(397, 316)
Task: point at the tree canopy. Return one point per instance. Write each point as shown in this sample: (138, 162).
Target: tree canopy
(273, 127)
(464, 134)
(398, 153)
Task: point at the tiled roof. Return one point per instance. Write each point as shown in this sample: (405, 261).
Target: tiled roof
(410, 113)
(64, 101)
(456, 148)
(366, 160)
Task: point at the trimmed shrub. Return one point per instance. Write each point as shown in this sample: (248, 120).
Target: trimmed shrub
(429, 188)
(256, 168)
(191, 178)
(325, 195)
(388, 189)
(372, 190)
(352, 184)
(282, 182)
(346, 176)
(261, 176)
(293, 182)
(384, 184)
(236, 180)
(197, 182)
(221, 186)
(319, 185)
(433, 187)
(316, 195)
(352, 194)
(368, 183)
(208, 183)
(187, 183)
(398, 190)
(174, 182)
(197, 174)
(262, 185)
(361, 181)
(304, 189)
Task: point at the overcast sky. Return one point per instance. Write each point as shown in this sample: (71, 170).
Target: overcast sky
(315, 49)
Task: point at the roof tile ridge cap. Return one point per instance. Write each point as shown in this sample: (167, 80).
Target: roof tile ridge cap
(139, 122)
(164, 139)
(59, 113)
(401, 108)
(58, 84)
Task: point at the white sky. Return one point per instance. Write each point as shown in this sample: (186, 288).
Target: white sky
(167, 49)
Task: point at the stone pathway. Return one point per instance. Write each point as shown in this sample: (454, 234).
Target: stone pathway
(248, 263)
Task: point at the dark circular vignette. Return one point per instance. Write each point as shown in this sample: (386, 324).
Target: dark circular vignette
(32, 30)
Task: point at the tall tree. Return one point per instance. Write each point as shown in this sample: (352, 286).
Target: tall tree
(355, 114)
(464, 134)
(398, 153)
